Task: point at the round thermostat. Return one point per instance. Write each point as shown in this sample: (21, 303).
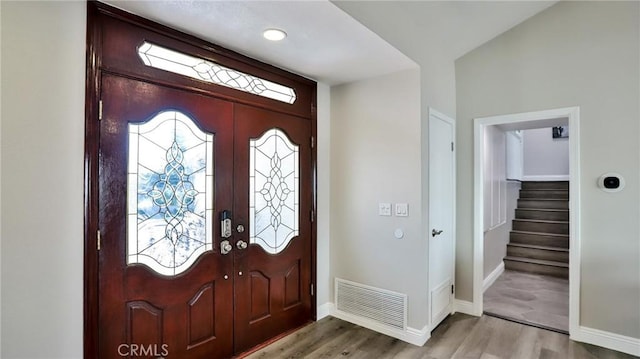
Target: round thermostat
(611, 182)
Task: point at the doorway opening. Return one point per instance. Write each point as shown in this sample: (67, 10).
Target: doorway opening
(549, 203)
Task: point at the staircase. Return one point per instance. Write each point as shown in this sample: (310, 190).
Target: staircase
(539, 240)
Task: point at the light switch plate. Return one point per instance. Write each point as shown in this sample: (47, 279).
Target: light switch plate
(402, 209)
(384, 209)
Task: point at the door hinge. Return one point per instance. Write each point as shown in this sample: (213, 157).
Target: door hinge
(100, 110)
(312, 215)
(452, 289)
(99, 240)
(312, 289)
(313, 142)
(451, 146)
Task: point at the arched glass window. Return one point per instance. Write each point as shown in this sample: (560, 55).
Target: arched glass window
(274, 194)
(170, 193)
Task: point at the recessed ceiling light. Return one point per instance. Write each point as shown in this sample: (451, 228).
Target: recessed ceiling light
(274, 34)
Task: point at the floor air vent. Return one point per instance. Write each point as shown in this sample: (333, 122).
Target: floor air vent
(382, 306)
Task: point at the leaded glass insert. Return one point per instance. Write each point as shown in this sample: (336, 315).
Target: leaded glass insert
(170, 193)
(273, 191)
(197, 68)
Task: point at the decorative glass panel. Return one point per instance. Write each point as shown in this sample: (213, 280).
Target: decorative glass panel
(197, 68)
(273, 191)
(170, 193)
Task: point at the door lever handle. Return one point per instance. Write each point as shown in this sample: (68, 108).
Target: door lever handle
(435, 232)
(225, 247)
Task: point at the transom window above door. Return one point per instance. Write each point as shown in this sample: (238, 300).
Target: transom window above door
(169, 60)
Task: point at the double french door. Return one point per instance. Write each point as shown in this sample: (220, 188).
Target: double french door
(205, 236)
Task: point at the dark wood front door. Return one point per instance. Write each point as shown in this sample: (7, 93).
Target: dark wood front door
(171, 163)
(273, 195)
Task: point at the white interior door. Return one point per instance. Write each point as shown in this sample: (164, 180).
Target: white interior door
(442, 184)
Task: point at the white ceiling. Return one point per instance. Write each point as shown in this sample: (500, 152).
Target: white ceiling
(329, 45)
(450, 28)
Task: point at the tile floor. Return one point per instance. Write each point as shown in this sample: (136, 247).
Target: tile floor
(528, 298)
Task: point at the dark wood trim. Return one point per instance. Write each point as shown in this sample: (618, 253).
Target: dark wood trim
(91, 145)
(195, 41)
(153, 32)
(95, 68)
(314, 204)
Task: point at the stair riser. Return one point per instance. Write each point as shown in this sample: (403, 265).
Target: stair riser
(558, 228)
(563, 185)
(533, 203)
(539, 240)
(535, 253)
(537, 268)
(544, 194)
(543, 215)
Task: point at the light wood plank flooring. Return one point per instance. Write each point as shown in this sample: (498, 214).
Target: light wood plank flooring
(459, 336)
(531, 298)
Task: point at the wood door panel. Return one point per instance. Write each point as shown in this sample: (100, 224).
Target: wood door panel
(145, 323)
(201, 318)
(128, 101)
(260, 293)
(280, 290)
(142, 281)
(278, 282)
(292, 287)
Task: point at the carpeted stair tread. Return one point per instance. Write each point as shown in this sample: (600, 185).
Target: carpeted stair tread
(537, 261)
(534, 246)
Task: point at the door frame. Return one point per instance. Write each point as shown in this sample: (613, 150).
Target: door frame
(440, 116)
(543, 118)
(97, 14)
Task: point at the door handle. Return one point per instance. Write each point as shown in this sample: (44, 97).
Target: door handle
(225, 247)
(225, 232)
(435, 232)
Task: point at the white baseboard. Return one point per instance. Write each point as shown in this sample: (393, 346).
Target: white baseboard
(463, 306)
(546, 178)
(491, 278)
(324, 310)
(607, 340)
(410, 335)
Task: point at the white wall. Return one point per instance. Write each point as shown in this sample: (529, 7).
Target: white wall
(584, 54)
(495, 177)
(43, 68)
(376, 157)
(0, 179)
(323, 148)
(545, 158)
(437, 90)
(515, 155)
(496, 204)
(496, 239)
(437, 71)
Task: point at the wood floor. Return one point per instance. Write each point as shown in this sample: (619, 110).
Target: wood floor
(534, 298)
(459, 336)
